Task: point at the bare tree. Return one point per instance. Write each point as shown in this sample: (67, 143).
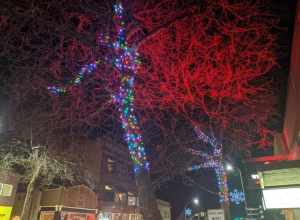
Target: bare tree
(36, 167)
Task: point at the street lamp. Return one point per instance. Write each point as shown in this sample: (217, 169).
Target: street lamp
(196, 201)
(189, 211)
(229, 167)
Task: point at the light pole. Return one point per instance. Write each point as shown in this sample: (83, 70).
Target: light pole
(230, 168)
(195, 202)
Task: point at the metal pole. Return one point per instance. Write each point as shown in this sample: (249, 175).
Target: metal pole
(243, 188)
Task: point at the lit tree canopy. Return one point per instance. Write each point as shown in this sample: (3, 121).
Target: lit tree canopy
(210, 62)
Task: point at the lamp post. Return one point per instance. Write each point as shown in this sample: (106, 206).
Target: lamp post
(195, 202)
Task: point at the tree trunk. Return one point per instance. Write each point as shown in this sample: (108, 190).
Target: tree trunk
(147, 198)
(30, 189)
(226, 207)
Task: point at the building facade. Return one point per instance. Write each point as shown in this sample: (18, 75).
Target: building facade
(164, 209)
(107, 169)
(288, 142)
(117, 193)
(274, 181)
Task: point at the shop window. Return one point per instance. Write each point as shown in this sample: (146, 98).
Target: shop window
(77, 216)
(105, 216)
(6, 189)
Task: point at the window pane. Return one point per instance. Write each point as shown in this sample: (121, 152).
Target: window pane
(6, 189)
(131, 200)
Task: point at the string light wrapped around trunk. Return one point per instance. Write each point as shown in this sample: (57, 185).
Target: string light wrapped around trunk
(214, 161)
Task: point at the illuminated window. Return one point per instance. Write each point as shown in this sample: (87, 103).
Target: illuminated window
(132, 201)
(120, 197)
(105, 216)
(108, 188)
(111, 165)
(6, 189)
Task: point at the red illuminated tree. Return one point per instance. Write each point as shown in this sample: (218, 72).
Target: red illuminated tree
(211, 62)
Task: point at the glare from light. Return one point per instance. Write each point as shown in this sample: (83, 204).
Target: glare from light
(196, 201)
(229, 167)
(108, 188)
(254, 176)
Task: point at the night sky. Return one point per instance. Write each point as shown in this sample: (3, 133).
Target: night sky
(204, 187)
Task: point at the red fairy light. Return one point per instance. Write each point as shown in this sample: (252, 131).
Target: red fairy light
(212, 60)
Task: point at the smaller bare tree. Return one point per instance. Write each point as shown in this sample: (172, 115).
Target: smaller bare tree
(36, 166)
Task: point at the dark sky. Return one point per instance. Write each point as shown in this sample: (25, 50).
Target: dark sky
(179, 194)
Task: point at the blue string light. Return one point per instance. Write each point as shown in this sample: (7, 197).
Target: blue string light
(214, 161)
(237, 197)
(84, 71)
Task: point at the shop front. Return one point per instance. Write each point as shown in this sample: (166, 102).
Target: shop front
(280, 186)
(119, 216)
(8, 185)
(67, 213)
(72, 203)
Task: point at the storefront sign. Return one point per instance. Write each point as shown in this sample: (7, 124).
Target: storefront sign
(280, 177)
(5, 212)
(215, 214)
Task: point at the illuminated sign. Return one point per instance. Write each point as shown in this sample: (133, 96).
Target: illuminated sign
(5, 212)
(213, 214)
(279, 198)
(280, 177)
